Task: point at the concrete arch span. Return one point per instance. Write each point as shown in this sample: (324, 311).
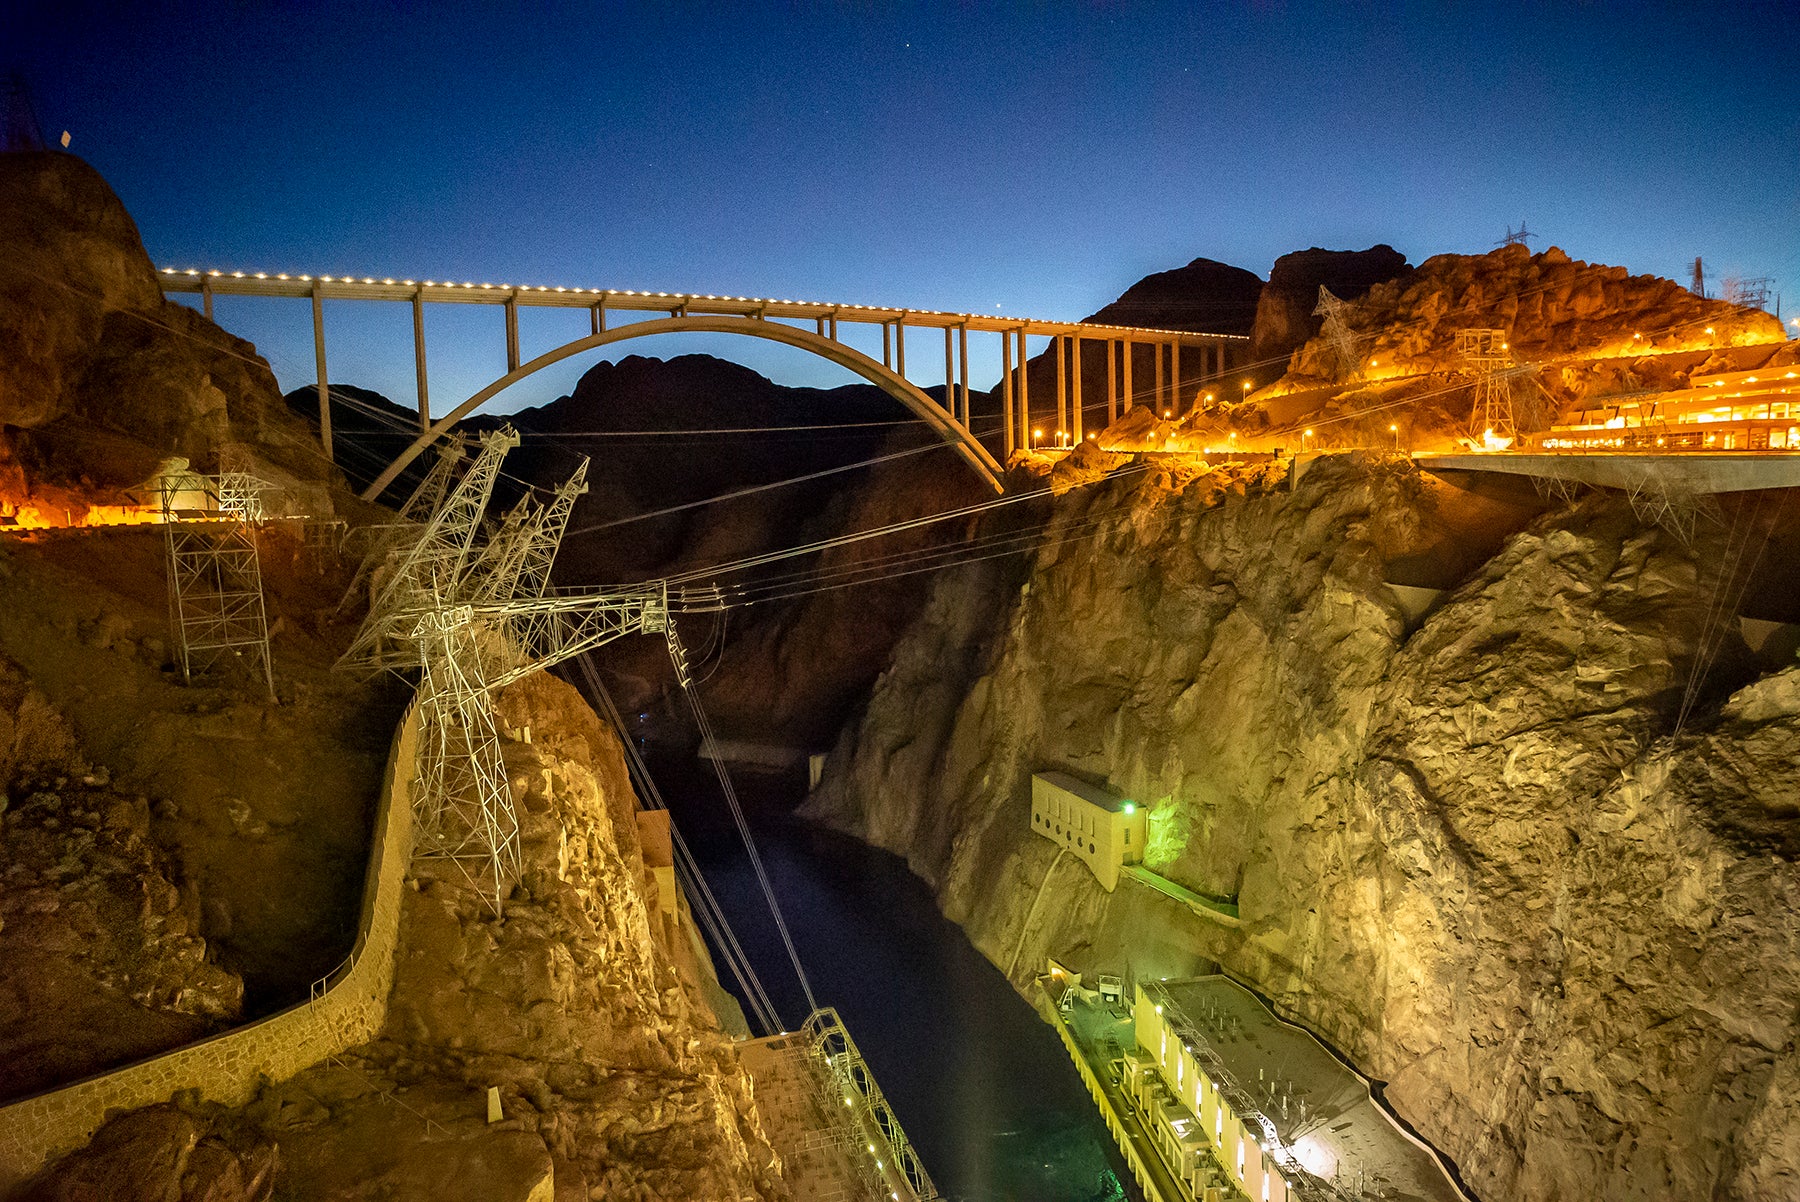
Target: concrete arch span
(883, 377)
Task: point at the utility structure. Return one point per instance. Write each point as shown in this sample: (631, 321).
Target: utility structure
(474, 616)
(216, 611)
(1487, 357)
(1336, 328)
(1748, 292)
(1518, 237)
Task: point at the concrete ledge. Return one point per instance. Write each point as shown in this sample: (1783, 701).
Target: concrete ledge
(1219, 911)
(229, 1067)
(1690, 471)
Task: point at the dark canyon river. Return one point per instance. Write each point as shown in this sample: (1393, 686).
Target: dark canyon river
(981, 1084)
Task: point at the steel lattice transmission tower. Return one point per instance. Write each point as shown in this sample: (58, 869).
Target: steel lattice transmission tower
(216, 610)
(1486, 356)
(1336, 328)
(473, 617)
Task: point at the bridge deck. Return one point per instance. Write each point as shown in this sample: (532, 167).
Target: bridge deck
(1701, 472)
(237, 283)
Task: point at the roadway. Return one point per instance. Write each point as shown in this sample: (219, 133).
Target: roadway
(1698, 472)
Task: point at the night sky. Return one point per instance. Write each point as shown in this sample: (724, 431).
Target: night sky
(1031, 159)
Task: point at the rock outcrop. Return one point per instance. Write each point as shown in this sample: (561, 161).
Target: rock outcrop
(1477, 853)
(1549, 304)
(1284, 310)
(103, 959)
(582, 1006)
(102, 376)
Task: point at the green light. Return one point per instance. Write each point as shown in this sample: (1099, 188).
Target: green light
(1131, 807)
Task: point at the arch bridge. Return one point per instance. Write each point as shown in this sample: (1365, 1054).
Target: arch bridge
(809, 325)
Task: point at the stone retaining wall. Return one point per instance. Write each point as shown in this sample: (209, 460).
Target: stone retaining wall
(228, 1068)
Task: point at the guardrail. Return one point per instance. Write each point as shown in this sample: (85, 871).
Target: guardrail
(347, 1008)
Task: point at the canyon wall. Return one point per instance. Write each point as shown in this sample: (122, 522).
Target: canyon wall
(1475, 854)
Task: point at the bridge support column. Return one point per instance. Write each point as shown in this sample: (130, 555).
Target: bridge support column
(950, 374)
(206, 296)
(418, 308)
(1060, 344)
(318, 306)
(512, 333)
(1008, 440)
(1127, 347)
(1175, 377)
(820, 322)
(900, 345)
(597, 317)
(1112, 381)
(1075, 397)
(1025, 435)
(1161, 400)
(833, 334)
(962, 344)
(887, 345)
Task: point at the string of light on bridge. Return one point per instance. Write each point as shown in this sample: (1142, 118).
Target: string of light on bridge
(675, 298)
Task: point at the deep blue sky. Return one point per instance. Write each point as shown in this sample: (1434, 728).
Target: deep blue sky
(1034, 159)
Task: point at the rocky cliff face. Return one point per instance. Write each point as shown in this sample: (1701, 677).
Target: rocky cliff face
(102, 376)
(1549, 304)
(582, 1005)
(1284, 310)
(104, 961)
(1475, 854)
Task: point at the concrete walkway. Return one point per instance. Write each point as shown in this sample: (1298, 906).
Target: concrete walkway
(1701, 472)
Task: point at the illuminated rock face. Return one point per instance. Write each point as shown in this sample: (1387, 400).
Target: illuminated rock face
(101, 375)
(1474, 856)
(1549, 304)
(584, 1008)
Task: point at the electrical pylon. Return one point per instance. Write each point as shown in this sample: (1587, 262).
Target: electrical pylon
(216, 610)
(474, 619)
(1487, 356)
(1337, 330)
(390, 537)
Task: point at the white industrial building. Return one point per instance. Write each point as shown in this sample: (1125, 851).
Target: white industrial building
(1105, 831)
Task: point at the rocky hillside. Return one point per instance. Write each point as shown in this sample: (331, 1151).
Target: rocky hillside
(1550, 305)
(103, 377)
(583, 1006)
(1476, 853)
(1285, 309)
(1586, 328)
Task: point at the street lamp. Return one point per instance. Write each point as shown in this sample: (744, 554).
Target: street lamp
(1036, 436)
(1305, 434)
(1395, 431)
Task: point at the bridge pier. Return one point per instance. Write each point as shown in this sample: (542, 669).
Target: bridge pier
(1128, 346)
(1075, 396)
(1112, 381)
(962, 339)
(1024, 391)
(418, 308)
(1160, 400)
(887, 344)
(512, 332)
(949, 374)
(1060, 344)
(1008, 441)
(1175, 375)
(318, 308)
(900, 344)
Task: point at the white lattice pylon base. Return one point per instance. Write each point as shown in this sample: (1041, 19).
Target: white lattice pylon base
(463, 805)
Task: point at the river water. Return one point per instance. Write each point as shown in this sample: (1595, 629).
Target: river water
(980, 1083)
